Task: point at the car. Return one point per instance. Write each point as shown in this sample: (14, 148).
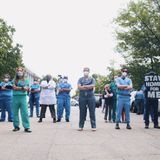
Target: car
(74, 102)
(132, 101)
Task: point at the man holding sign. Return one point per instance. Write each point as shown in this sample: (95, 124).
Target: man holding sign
(152, 94)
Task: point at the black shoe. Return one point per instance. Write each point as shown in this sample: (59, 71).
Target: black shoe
(10, 120)
(58, 120)
(16, 129)
(27, 130)
(128, 126)
(146, 127)
(31, 116)
(157, 127)
(1, 120)
(40, 120)
(117, 126)
(67, 120)
(54, 120)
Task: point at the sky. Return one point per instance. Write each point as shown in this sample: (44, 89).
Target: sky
(63, 36)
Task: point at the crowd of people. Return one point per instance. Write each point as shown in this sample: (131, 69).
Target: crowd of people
(47, 93)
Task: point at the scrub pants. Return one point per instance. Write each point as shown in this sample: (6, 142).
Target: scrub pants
(20, 103)
(84, 102)
(6, 105)
(63, 103)
(123, 102)
(114, 110)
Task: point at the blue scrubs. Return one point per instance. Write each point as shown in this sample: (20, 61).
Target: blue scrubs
(123, 99)
(34, 99)
(63, 101)
(6, 101)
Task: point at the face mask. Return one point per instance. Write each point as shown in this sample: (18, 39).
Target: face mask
(86, 73)
(124, 74)
(65, 80)
(35, 82)
(20, 74)
(6, 79)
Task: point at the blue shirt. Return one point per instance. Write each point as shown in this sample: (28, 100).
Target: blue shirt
(63, 85)
(8, 92)
(139, 95)
(35, 87)
(86, 81)
(120, 92)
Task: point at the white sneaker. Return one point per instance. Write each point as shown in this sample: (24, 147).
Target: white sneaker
(80, 129)
(94, 129)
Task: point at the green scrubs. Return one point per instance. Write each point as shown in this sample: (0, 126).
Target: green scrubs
(20, 103)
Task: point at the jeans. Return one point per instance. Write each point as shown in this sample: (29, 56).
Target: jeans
(84, 102)
(123, 102)
(6, 105)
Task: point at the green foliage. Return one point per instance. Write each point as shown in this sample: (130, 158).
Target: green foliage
(138, 37)
(10, 54)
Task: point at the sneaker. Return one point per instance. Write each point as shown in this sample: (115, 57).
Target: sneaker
(94, 129)
(40, 120)
(157, 127)
(1, 120)
(117, 126)
(10, 120)
(27, 130)
(54, 120)
(58, 120)
(146, 127)
(67, 120)
(80, 129)
(128, 126)
(16, 129)
(31, 116)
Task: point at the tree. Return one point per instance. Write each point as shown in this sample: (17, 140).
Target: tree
(10, 54)
(138, 37)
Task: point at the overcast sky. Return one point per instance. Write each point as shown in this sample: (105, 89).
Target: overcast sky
(63, 36)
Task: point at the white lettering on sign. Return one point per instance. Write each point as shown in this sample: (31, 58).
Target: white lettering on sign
(151, 94)
(152, 84)
(158, 95)
(154, 89)
(152, 78)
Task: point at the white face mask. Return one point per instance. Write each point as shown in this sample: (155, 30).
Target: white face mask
(65, 80)
(124, 74)
(6, 79)
(20, 74)
(86, 73)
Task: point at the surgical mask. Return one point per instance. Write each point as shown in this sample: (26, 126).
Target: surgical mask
(20, 74)
(65, 80)
(86, 73)
(124, 74)
(6, 79)
(35, 82)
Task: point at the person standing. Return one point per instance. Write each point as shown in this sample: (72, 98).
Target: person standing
(108, 96)
(139, 102)
(86, 85)
(63, 99)
(48, 97)
(20, 91)
(124, 85)
(113, 88)
(6, 98)
(34, 97)
(151, 102)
